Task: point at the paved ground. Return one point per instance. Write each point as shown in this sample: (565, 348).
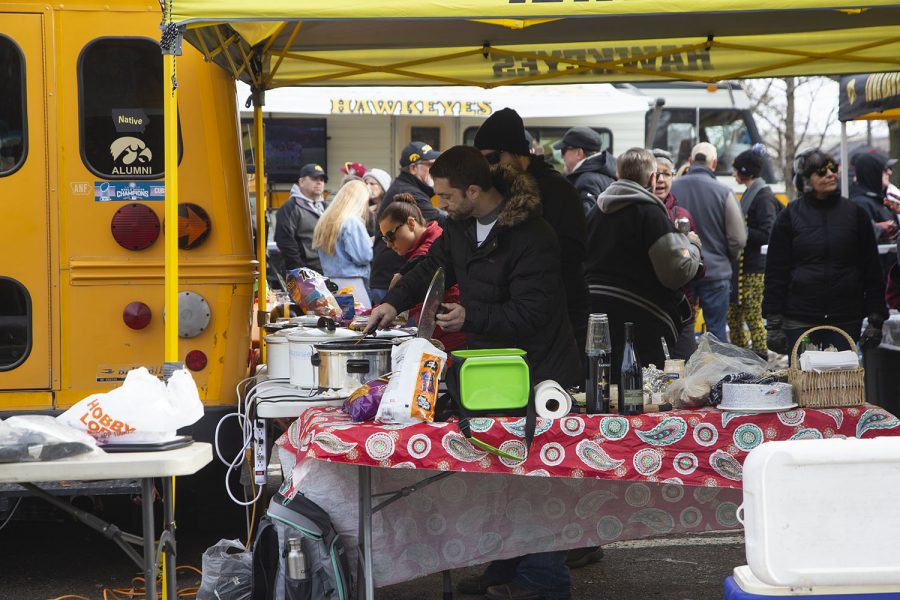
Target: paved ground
(42, 558)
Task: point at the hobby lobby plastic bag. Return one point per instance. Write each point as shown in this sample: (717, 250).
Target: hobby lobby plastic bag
(143, 409)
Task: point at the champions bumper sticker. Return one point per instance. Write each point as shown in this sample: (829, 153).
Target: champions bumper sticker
(126, 191)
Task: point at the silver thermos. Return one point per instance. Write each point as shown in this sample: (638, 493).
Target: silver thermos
(296, 561)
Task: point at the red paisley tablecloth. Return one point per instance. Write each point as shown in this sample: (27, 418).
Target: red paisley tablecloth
(704, 447)
(595, 479)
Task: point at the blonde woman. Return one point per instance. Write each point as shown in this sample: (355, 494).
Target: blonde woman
(343, 244)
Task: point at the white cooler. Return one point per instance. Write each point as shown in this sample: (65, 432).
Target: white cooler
(823, 512)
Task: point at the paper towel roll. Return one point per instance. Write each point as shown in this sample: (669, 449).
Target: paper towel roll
(551, 400)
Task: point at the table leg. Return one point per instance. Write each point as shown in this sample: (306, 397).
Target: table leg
(170, 557)
(366, 579)
(149, 538)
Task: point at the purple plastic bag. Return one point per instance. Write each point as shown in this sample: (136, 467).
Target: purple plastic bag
(362, 405)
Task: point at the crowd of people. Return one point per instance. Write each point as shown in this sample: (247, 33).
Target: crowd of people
(529, 252)
(822, 265)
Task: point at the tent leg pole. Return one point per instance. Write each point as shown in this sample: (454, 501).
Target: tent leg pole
(845, 163)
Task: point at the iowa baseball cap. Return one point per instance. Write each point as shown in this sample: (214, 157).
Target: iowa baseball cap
(417, 152)
(313, 170)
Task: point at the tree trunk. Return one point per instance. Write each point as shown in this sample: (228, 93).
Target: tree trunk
(790, 137)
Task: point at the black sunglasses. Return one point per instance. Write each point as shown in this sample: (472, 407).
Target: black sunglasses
(388, 238)
(823, 170)
(493, 158)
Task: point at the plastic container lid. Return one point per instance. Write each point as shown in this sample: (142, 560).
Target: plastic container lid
(488, 352)
(318, 335)
(491, 382)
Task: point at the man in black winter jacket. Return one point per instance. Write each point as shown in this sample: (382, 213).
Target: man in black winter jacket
(415, 178)
(501, 139)
(505, 258)
(873, 170)
(588, 168)
(637, 263)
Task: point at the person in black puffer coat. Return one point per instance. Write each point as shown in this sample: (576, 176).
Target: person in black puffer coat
(502, 140)
(822, 265)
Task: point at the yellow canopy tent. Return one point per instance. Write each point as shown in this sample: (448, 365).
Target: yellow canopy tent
(273, 43)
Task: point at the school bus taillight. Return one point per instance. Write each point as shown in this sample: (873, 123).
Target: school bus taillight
(137, 315)
(195, 360)
(135, 226)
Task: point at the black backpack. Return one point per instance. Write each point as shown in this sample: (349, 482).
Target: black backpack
(328, 571)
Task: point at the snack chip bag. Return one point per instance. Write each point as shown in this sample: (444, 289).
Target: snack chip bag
(308, 289)
(363, 403)
(411, 394)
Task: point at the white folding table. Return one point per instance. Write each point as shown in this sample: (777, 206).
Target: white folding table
(137, 465)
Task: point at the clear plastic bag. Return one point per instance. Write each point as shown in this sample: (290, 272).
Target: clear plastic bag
(227, 572)
(712, 361)
(890, 334)
(28, 438)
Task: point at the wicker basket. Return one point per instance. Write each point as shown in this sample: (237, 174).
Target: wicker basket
(829, 389)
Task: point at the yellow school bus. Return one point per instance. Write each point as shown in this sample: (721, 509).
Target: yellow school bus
(81, 199)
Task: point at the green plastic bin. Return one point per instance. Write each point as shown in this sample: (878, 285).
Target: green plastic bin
(493, 380)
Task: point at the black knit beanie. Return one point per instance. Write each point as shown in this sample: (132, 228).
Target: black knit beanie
(505, 131)
(749, 163)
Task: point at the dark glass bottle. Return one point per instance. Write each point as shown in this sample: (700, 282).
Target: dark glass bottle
(631, 380)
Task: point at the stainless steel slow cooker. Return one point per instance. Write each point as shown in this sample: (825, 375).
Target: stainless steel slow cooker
(347, 364)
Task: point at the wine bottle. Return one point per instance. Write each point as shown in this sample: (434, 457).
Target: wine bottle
(631, 381)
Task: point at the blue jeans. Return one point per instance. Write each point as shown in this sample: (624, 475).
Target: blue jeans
(545, 574)
(714, 295)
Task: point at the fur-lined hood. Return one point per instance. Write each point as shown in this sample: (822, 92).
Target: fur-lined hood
(521, 190)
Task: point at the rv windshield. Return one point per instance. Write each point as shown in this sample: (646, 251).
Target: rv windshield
(731, 131)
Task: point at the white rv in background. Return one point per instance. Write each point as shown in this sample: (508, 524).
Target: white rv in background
(371, 125)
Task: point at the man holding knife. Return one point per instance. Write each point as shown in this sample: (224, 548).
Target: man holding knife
(506, 260)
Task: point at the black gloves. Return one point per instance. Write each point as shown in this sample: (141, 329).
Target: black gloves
(871, 336)
(776, 340)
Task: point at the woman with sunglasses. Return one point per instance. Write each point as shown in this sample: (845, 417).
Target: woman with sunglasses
(404, 230)
(822, 264)
(344, 245)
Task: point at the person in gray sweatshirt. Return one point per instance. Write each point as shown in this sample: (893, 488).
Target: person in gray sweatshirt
(721, 228)
(637, 263)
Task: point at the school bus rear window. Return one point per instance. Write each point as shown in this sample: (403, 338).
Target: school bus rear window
(121, 104)
(12, 107)
(15, 323)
